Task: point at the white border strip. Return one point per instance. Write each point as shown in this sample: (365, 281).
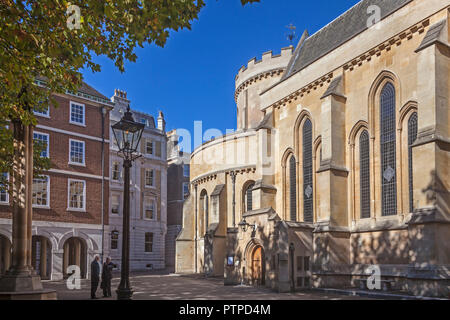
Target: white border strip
(70, 133)
(77, 174)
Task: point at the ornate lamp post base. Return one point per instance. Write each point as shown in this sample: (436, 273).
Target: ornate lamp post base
(124, 294)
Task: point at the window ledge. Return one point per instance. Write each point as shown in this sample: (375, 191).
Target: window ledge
(41, 207)
(76, 210)
(78, 124)
(77, 164)
(42, 115)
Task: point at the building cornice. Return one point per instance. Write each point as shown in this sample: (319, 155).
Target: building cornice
(213, 175)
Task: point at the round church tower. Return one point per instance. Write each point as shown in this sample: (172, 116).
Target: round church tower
(257, 76)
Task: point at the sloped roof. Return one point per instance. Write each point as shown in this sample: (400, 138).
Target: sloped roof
(339, 31)
(85, 88)
(432, 35)
(333, 89)
(218, 190)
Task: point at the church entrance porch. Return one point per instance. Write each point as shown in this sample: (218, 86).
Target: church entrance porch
(257, 267)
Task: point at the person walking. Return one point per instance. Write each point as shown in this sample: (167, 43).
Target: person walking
(95, 276)
(107, 277)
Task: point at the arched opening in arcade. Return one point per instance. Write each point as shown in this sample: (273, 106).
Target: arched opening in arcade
(5, 254)
(75, 253)
(41, 256)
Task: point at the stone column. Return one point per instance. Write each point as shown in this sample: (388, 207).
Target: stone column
(43, 258)
(7, 255)
(20, 277)
(196, 231)
(65, 263)
(77, 252)
(29, 195)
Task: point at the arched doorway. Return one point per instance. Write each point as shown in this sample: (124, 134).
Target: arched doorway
(41, 256)
(5, 254)
(257, 267)
(75, 253)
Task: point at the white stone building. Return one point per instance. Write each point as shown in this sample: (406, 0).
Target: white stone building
(148, 192)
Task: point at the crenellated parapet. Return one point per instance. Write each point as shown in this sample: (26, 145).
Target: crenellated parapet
(267, 66)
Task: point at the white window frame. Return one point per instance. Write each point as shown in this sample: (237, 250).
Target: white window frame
(112, 171)
(84, 196)
(119, 204)
(155, 209)
(48, 141)
(185, 194)
(42, 114)
(111, 240)
(6, 203)
(84, 114)
(184, 170)
(84, 153)
(153, 178)
(152, 242)
(48, 195)
(153, 147)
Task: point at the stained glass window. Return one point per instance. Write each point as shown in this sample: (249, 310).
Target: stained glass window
(388, 151)
(307, 172)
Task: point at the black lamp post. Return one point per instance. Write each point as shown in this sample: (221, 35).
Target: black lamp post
(128, 134)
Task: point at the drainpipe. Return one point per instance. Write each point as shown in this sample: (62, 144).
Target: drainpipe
(103, 181)
(196, 230)
(233, 179)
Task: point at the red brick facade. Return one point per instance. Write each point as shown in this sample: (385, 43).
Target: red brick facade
(60, 131)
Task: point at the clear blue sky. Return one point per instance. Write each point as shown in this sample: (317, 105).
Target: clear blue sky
(192, 77)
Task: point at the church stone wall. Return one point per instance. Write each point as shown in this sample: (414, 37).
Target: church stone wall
(340, 94)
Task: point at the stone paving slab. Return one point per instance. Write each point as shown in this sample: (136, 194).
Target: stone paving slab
(180, 287)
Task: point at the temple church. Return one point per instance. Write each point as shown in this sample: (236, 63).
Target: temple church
(340, 163)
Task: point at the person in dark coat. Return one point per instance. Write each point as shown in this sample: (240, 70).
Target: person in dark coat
(95, 276)
(107, 277)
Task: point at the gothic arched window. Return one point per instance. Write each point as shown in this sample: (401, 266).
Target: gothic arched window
(249, 197)
(293, 189)
(412, 136)
(308, 172)
(388, 151)
(364, 174)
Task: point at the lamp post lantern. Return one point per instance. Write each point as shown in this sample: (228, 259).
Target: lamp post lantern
(127, 134)
(244, 225)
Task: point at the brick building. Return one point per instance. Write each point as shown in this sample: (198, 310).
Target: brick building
(148, 192)
(69, 199)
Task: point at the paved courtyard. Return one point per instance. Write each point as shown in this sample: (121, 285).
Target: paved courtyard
(176, 287)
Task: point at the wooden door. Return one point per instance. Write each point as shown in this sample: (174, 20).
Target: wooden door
(257, 266)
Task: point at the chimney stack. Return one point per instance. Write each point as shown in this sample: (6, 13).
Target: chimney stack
(161, 122)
